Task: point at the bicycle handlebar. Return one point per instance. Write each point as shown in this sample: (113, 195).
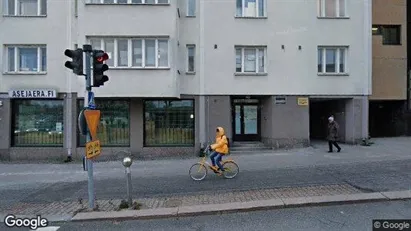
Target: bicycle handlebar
(207, 149)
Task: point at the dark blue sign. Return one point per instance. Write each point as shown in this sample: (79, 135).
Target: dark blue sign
(91, 103)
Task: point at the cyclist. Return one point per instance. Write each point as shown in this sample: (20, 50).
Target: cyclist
(220, 148)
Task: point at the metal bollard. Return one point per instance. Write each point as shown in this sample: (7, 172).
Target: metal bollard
(127, 161)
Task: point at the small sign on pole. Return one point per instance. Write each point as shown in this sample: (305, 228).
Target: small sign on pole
(93, 149)
(91, 103)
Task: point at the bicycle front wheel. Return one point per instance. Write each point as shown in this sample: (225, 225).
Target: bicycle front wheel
(198, 172)
(231, 169)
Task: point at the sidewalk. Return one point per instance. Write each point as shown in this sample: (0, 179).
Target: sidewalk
(201, 203)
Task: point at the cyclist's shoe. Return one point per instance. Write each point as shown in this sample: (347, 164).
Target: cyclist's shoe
(215, 169)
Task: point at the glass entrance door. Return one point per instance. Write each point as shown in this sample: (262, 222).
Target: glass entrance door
(246, 121)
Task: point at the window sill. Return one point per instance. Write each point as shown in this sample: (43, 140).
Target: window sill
(328, 17)
(190, 16)
(139, 68)
(168, 146)
(250, 17)
(128, 4)
(25, 16)
(190, 72)
(388, 44)
(249, 74)
(333, 74)
(24, 73)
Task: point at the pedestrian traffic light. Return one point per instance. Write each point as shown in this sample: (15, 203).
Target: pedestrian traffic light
(77, 60)
(99, 68)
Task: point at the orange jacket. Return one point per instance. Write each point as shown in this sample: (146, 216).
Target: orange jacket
(221, 143)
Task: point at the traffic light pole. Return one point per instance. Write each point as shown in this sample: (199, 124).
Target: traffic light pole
(88, 53)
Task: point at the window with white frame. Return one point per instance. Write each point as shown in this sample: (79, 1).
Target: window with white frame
(332, 60)
(250, 8)
(25, 7)
(26, 58)
(128, 1)
(332, 8)
(134, 52)
(191, 51)
(191, 8)
(250, 59)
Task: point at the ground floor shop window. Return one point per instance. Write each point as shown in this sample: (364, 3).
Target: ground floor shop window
(114, 128)
(169, 122)
(37, 123)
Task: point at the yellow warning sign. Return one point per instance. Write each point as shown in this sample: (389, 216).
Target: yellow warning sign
(93, 149)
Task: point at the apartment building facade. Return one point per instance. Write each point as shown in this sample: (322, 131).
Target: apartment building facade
(178, 69)
(388, 102)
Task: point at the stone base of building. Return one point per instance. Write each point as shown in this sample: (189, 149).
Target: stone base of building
(286, 143)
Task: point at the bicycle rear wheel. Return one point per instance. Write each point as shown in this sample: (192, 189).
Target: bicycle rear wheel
(231, 169)
(198, 171)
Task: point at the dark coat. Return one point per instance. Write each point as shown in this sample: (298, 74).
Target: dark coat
(333, 129)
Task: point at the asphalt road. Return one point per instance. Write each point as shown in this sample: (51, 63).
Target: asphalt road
(350, 217)
(367, 168)
(369, 176)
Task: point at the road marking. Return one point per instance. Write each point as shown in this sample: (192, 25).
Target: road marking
(332, 157)
(51, 173)
(369, 155)
(50, 228)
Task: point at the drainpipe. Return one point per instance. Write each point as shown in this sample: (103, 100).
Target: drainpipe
(408, 25)
(368, 65)
(202, 100)
(68, 131)
(408, 42)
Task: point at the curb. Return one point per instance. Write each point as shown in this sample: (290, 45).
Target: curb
(212, 209)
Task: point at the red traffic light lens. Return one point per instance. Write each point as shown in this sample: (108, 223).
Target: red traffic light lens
(103, 58)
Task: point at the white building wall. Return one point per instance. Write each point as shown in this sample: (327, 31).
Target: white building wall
(290, 70)
(50, 30)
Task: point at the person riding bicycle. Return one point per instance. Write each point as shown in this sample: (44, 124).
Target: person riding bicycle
(220, 148)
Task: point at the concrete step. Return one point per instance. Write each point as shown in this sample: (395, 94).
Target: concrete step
(243, 148)
(253, 152)
(247, 144)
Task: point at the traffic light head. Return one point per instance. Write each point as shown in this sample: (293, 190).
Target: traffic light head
(99, 67)
(77, 60)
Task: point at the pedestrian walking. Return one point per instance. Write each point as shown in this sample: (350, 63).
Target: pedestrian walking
(332, 136)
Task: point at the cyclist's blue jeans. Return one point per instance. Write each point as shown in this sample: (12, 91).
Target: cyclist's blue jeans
(215, 156)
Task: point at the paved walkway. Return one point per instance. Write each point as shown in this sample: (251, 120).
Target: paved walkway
(64, 210)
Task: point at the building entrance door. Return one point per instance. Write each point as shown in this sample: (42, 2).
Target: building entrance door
(246, 120)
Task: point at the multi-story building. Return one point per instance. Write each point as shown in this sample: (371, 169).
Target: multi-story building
(388, 102)
(266, 71)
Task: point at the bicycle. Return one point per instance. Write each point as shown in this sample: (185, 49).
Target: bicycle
(229, 166)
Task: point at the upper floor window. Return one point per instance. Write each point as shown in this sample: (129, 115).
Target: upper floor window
(191, 8)
(391, 34)
(251, 8)
(332, 8)
(191, 50)
(128, 1)
(26, 59)
(134, 52)
(25, 7)
(250, 59)
(332, 60)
